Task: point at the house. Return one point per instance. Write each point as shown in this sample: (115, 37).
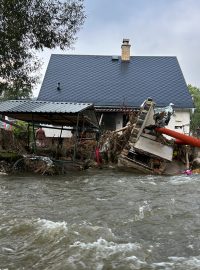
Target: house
(117, 85)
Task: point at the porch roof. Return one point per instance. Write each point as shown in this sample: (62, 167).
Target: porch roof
(55, 113)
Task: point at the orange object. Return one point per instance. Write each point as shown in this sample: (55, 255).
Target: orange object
(181, 137)
(177, 141)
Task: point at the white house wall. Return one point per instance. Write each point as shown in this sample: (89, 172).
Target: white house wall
(50, 132)
(180, 122)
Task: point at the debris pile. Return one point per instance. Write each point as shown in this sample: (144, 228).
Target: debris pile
(140, 145)
(8, 142)
(44, 165)
(112, 142)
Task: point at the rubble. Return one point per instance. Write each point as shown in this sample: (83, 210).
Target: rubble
(139, 146)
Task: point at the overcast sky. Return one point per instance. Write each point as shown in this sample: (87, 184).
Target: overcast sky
(154, 27)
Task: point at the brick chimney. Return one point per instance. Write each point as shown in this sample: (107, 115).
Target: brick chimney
(125, 50)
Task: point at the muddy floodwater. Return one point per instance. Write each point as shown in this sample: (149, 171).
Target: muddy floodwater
(99, 219)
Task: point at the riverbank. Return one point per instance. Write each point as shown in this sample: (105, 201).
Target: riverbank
(57, 157)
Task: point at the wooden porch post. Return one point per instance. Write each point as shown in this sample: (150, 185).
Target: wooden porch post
(34, 141)
(28, 137)
(76, 134)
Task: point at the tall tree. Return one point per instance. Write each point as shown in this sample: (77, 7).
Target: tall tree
(27, 26)
(195, 117)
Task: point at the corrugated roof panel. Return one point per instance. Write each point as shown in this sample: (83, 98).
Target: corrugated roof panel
(42, 106)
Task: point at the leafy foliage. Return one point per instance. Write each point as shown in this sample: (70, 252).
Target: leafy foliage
(21, 130)
(27, 26)
(195, 118)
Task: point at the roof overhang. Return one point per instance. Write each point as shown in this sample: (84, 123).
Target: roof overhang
(119, 109)
(54, 113)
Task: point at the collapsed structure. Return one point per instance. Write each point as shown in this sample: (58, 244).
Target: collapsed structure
(146, 150)
(142, 147)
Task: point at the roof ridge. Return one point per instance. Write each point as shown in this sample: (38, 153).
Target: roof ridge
(103, 55)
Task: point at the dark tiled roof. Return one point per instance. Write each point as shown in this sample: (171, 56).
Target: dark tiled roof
(106, 82)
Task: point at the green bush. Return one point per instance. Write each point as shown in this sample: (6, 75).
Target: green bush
(195, 117)
(21, 130)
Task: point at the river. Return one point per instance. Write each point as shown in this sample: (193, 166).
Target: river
(99, 219)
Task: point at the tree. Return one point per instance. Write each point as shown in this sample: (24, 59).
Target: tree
(27, 26)
(195, 118)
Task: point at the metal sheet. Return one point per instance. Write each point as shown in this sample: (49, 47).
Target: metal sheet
(158, 149)
(42, 106)
(55, 113)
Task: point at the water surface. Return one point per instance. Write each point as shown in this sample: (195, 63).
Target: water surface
(100, 220)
